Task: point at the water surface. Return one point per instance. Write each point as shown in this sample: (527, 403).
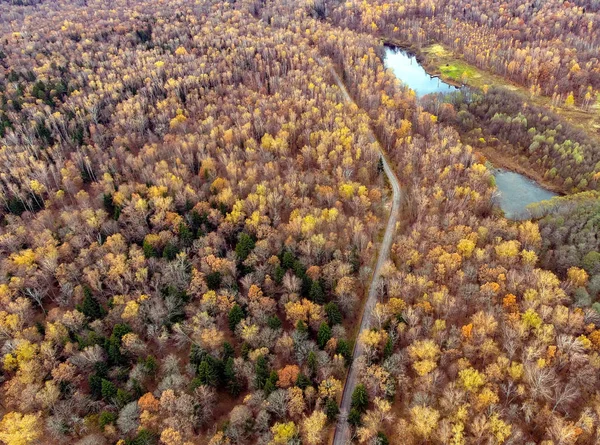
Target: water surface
(406, 68)
(516, 192)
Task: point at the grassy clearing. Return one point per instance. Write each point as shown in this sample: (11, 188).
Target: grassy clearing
(439, 60)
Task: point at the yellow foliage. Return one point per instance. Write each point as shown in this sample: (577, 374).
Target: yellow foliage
(577, 276)
(531, 319)
(465, 247)
(131, 310)
(181, 51)
(20, 429)
(471, 379)
(313, 427)
(499, 428)
(283, 432)
(508, 249)
(424, 420)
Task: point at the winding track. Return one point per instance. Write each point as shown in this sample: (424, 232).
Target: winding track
(342, 430)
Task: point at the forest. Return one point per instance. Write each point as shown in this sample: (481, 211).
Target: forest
(192, 208)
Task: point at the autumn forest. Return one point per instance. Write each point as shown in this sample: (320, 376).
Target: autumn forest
(226, 222)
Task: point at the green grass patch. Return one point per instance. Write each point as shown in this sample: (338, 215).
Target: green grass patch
(458, 71)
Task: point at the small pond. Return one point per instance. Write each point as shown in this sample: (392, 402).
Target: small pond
(515, 191)
(406, 68)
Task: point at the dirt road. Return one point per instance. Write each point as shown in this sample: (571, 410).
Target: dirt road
(342, 430)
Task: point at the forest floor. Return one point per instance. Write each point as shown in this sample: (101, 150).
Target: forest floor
(342, 430)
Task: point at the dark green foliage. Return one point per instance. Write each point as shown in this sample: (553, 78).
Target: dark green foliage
(228, 351)
(388, 350)
(311, 362)
(213, 280)
(288, 260)
(271, 384)
(170, 251)
(236, 314)
(279, 274)
(331, 409)
(244, 246)
(150, 364)
(360, 398)
(109, 390)
(185, 235)
(261, 370)
(90, 306)
(274, 322)
(233, 385)
(324, 335)
(208, 372)
(343, 348)
(106, 418)
(316, 293)
(197, 354)
(303, 381)
(354, 417)
(120, 330)
(245, 350)
(149, 250)
(113, 344)
(301, 327)
(101, 369)
(143, 437)
(15, 205)
(381, 439)
(123, 397)
(333, 313)
(95, 384)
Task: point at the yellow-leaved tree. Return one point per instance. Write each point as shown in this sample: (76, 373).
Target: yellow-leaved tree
(20, 429)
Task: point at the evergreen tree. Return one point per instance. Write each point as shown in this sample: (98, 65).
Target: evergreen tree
(333, 313)
(261, 369)
(360, 398)
(324, 335)
(236, 314)
(316, 293)
(90, 306)
(232, 382)
(244, 247)
(332, 410)
(311, 362)
(207, 374)
(109, 390)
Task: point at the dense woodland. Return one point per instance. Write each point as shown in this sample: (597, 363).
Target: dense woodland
(563, 154)
(191, 211)
(550, 46)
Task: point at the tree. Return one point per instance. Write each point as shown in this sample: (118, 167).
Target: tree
(236, 314)
(20, 429)
(244, 246)
(424, 420)
(334, 316)
(313, 427)
(316, 293)
(261, 370)
(360, 398)
(332, 410)
(323, 335)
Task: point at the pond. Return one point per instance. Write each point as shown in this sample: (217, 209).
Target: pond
(406, 68)
(515, 191)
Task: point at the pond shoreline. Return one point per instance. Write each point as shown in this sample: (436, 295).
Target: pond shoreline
(517, 182)
(499, 160)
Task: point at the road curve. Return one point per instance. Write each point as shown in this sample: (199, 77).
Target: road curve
(342, 431)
